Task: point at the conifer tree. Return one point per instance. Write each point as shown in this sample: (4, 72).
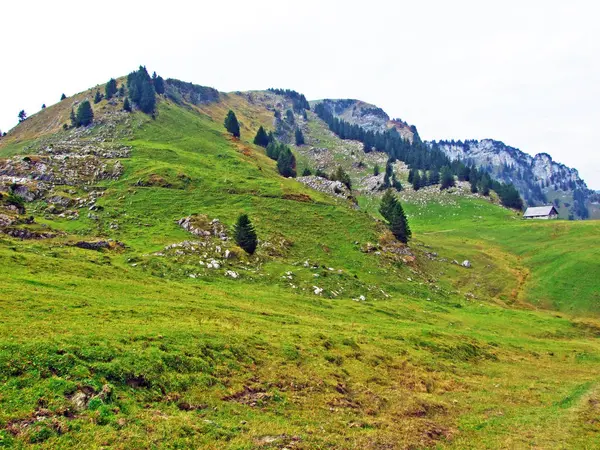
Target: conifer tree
(396, 183)
(44, 106)
(299, 136)
(286, 162)
(261, 137)
(447, 178)
(273, 150)
(376, 170)
(62, 97)
(85, 115)
(121, 91)
(231, 124)
(306, 172)
(399, 224)
(484, 186)
(74, 122)
(126, 105)
(141, 90)
(22, 115)
(289, 116)
(97, 97)
(411, 175)
(416, 180)
(110, 89)
(434, 177)
(159, 83)
(387, 205)
(245, 234)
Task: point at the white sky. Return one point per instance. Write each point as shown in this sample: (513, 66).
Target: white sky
(524, 72)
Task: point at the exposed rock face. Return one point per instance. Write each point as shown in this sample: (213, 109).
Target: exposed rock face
(200, 225)
(536, 177)
(335, 188)
(100, 245)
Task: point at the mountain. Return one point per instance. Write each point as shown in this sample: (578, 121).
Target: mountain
(132, 318)
(539, 179)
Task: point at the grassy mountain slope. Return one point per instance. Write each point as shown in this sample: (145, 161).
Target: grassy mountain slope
(192, 357)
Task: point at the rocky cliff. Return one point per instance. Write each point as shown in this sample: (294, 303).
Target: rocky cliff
(538, 178)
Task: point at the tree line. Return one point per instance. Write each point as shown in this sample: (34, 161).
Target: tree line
(299, 101)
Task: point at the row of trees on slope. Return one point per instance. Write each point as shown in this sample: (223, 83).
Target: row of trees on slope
(277, 151)
(299, 101)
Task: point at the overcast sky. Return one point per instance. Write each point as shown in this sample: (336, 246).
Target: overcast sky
(523, 72)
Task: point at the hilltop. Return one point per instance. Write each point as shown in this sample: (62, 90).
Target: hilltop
(131, 318)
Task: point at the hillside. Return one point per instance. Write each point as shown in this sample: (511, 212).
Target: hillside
(131, 319)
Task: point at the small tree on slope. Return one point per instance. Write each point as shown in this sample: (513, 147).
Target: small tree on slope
(388, 203)
(399, 224)
(85, 115)
(231, 124)
(245, 235)
(261, 138)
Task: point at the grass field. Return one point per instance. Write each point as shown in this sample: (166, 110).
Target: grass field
(502, 355)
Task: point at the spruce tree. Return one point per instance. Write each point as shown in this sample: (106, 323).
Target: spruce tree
(231, 124)
(434, 177)
(245, 234)
(447, 178)
(416, 181)
(396, 183)
(306, 172)
(62, 97)
(299, 137)
(387, 205)
(97, 97)
(376, 170)
(399, 224)
(74, 122)
(121, 91)
(159, 83)
(273, 150)
(289, 116)
(261, 137)
(126, 105)
(484, 185)
(85, 114)
(110, 89)
(22, 115)
(286, 163)
(141, 90)
(44, 106)
(411, 175)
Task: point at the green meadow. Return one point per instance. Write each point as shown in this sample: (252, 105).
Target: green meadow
(169, 354)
